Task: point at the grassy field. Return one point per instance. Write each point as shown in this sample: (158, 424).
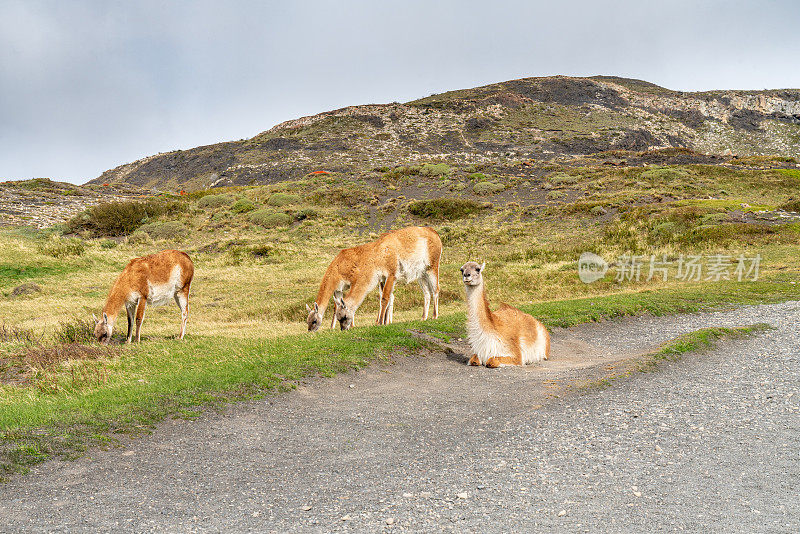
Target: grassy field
(259, 253)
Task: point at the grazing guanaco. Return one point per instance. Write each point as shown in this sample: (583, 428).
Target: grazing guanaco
(406, 255)
(507, 336)
(154, 280)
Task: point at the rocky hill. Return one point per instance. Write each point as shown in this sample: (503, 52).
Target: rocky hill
(552, 118)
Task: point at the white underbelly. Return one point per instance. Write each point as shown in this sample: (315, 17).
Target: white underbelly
(411, 268)
(163, 294)
(160, 295)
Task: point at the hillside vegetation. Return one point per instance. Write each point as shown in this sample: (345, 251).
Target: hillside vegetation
(547, 119)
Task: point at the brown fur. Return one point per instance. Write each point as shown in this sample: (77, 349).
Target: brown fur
(132, 291)
(360, 267)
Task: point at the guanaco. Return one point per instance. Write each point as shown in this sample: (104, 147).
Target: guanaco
(406, 255)
(507, 336)
(154, 280)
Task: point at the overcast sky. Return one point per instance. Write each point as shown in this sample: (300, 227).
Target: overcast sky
(89, 85)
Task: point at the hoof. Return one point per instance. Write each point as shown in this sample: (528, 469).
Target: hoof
(492, 363)
(474, 360)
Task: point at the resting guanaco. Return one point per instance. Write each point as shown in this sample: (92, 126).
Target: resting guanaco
(407, 255)
(154, 280)
(507, 336)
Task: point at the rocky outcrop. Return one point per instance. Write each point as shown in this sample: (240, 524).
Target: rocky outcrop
(541, 118)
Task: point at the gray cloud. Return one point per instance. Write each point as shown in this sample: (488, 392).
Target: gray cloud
(85, 86)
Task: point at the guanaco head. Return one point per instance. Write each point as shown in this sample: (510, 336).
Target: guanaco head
(471, 273)
(314, 318)
(102, 329)
(343, 314)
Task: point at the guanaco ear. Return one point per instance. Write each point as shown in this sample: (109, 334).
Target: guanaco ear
(308, 308)
(338, 299)
(105, 318)
(95, 319)
(316, 307)
(483, 266)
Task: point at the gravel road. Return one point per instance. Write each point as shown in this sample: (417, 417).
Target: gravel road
(707, 444)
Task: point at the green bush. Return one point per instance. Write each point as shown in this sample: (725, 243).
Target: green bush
(139, 238)
(172, 230)
(215, 201)
(598, 210)
(790, 205)
(398, 172)
(243, 205)
(487, 188)
(270, 219)
(283, 199)
(340, 196)
(307, 213)
(663, 175)
(560, 178)
(435, 169)
(75, 331)
(121, 218)
(61, 248)
(444, 209)
(107, 244)
(477, 176)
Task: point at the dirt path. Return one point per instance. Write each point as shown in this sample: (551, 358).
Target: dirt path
(427, 444)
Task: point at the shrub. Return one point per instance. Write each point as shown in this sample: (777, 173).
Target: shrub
(215, 201)
(435, 169)
(663, 175)
(75, 331)
(307, 213)
(444, 208)
(243, 205)
(107, 244)
(139, 238)
(61, 248)
(790, 205)
(121, 218)
(560, 178)
(397, 172)
(477, 176)
(487, 188)
(9, 333)
(339, 196)
(167, 230)
(270, 219)
(283, 199)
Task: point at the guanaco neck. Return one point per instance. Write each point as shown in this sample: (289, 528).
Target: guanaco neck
(327, 287)
(478, 306)
(358, 292)
(114, 303)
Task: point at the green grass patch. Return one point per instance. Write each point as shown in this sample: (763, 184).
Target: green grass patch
(702, 339)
